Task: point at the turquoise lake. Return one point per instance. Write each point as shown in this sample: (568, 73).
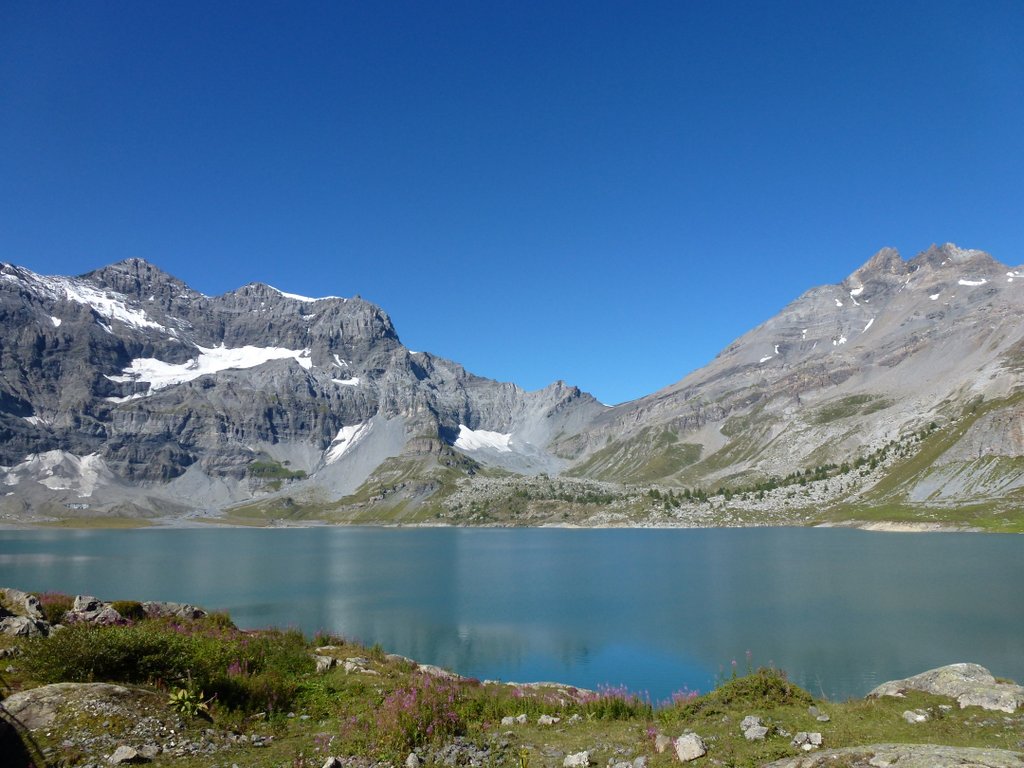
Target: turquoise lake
(654, 610)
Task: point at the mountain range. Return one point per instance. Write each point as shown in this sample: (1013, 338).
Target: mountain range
(895, 394)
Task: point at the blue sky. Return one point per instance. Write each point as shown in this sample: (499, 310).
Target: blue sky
(604, 193)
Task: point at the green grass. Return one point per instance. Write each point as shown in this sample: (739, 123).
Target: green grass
(854, 405)
(650, 456)
(254, 679)
(266, 469)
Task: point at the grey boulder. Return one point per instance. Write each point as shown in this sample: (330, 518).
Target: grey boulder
(969, 684)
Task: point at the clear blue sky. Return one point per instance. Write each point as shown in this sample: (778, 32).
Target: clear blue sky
(605, 193)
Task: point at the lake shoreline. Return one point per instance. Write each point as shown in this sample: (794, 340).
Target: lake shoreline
(194, 523)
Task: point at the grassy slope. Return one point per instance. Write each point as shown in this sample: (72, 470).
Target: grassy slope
(887, 500)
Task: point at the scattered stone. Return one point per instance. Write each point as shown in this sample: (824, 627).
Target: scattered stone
(123, 755)
(757, 733)
(331, 762)
(324, 663)
(661, 743)
(807, 741)
(508, 720)
(640, 762)
(149, 751)
(412, 761)
(577, 718)
(159, 609)
(752, 729)
(915, 716)
(817, 714)
(577, 760)
(689, 747)
(433, 671)
(548, 720)
(969, 684)
(23, 626)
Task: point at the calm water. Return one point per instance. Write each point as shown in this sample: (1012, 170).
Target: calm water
(840, 610)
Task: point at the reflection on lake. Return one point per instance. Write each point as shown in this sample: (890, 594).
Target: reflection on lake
(656, 610)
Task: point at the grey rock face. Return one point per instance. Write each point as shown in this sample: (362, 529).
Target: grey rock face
(162, 609)
(125, 391)
(20, 603)
(835, 375)
(969, 684)
(91, 610)
(22, 626)
(906, 756)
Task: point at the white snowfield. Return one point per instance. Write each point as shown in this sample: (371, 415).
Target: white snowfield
(60, 471)
(346, 438)
(353, 382)
(107, 304)
(475, 439)
(765, 359)
(870, 323)
(934, 296)
(159, 374)
(305, 299)
(962, 281)
(857, 291)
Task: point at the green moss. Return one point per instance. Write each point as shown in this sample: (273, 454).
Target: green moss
(854, 405)
(273, 470)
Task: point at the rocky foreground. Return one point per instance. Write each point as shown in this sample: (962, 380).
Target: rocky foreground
(92, 683)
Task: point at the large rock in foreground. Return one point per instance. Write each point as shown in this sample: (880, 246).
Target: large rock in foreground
(905, 756)
(970, 684)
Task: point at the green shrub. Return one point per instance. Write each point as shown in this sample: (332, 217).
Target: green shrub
(129, 609)
(762, 688)
(251, 672)
(54, 605)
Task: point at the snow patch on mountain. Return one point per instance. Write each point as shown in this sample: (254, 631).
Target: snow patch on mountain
(61, 471)
(107, 304)
(304, 299)
(353, 382)
(870, 323)
(56, 321)
(476, 439)
(160, 375)
(972, 283)
(346, 438)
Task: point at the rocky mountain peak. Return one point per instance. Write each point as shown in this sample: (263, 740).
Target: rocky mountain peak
(949, 255)
(886, 263)
(138, 279)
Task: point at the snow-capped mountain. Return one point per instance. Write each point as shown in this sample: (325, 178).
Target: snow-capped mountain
(125, 391)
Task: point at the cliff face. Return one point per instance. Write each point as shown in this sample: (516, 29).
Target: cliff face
(119, 384)
(128, 392)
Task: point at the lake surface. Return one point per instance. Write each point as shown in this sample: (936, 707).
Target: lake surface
(655, 610)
